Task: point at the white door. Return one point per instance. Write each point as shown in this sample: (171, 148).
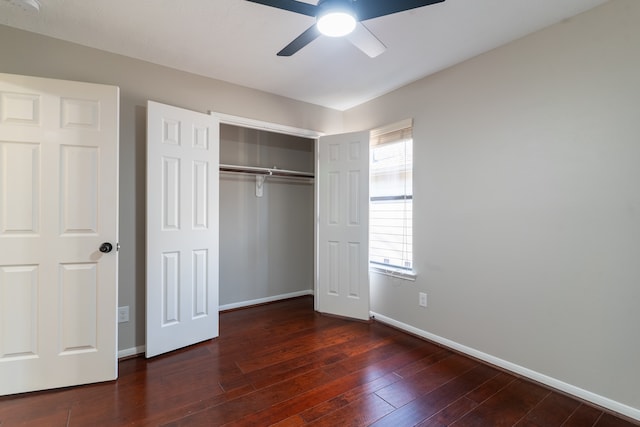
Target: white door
(182, 228)
(343, 228)
(58, 204)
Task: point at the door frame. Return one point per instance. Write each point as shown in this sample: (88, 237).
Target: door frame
(304, 133)
(293, 131)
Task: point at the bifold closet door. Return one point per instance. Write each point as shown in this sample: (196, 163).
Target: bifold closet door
(182, 228)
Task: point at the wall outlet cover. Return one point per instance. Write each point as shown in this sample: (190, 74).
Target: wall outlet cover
(422, 301)
(123, 314)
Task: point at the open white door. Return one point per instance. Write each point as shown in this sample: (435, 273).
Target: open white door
(58, 205)
(343, 225)
(182, 228)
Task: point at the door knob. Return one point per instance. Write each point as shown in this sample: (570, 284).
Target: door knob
(106, 247)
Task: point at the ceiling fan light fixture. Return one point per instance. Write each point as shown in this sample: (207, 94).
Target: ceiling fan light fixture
(336, 23)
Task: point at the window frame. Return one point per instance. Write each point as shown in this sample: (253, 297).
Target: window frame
(376, 138)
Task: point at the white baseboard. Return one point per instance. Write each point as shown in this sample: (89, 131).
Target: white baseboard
(264, 300)
(596, 399)
(128, 352)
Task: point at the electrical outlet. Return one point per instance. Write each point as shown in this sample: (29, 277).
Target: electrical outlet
(123, 314)
(422, 300)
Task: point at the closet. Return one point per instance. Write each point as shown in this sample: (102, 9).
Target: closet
(266, 216)
(278, 230)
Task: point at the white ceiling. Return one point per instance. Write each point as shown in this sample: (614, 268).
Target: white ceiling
(237, 41)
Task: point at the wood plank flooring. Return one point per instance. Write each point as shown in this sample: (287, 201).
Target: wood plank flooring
(282, 364)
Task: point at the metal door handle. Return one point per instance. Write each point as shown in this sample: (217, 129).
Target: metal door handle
(106, 247)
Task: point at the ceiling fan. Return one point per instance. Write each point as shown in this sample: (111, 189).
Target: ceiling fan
(338, 18)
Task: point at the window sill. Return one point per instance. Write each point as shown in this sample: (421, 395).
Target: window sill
(393, 272)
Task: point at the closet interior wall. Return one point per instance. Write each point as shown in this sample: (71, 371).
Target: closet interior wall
(266, 243)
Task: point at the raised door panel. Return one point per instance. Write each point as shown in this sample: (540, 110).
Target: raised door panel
(19, 287)
(21, 188)
(79, 189)
(78, 304)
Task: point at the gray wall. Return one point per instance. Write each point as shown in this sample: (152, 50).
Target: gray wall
(31, 54)
(266, 243)
(527, 202)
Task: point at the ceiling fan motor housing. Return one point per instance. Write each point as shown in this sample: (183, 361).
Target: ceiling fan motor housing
(325, 6)
(349, 12)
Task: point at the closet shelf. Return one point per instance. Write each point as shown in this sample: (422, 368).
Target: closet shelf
(253, 170)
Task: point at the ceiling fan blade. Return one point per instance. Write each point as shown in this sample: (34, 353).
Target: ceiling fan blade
(364, 40)
(290, 5)
(301, 41)
(368, 9)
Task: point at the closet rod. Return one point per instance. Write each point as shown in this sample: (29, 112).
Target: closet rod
(265, 171)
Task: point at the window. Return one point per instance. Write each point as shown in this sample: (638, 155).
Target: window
(391, 198)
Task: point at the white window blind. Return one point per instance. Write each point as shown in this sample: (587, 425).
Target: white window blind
(391, 197)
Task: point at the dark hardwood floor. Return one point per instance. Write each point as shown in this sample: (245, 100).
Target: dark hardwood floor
(282, 364)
